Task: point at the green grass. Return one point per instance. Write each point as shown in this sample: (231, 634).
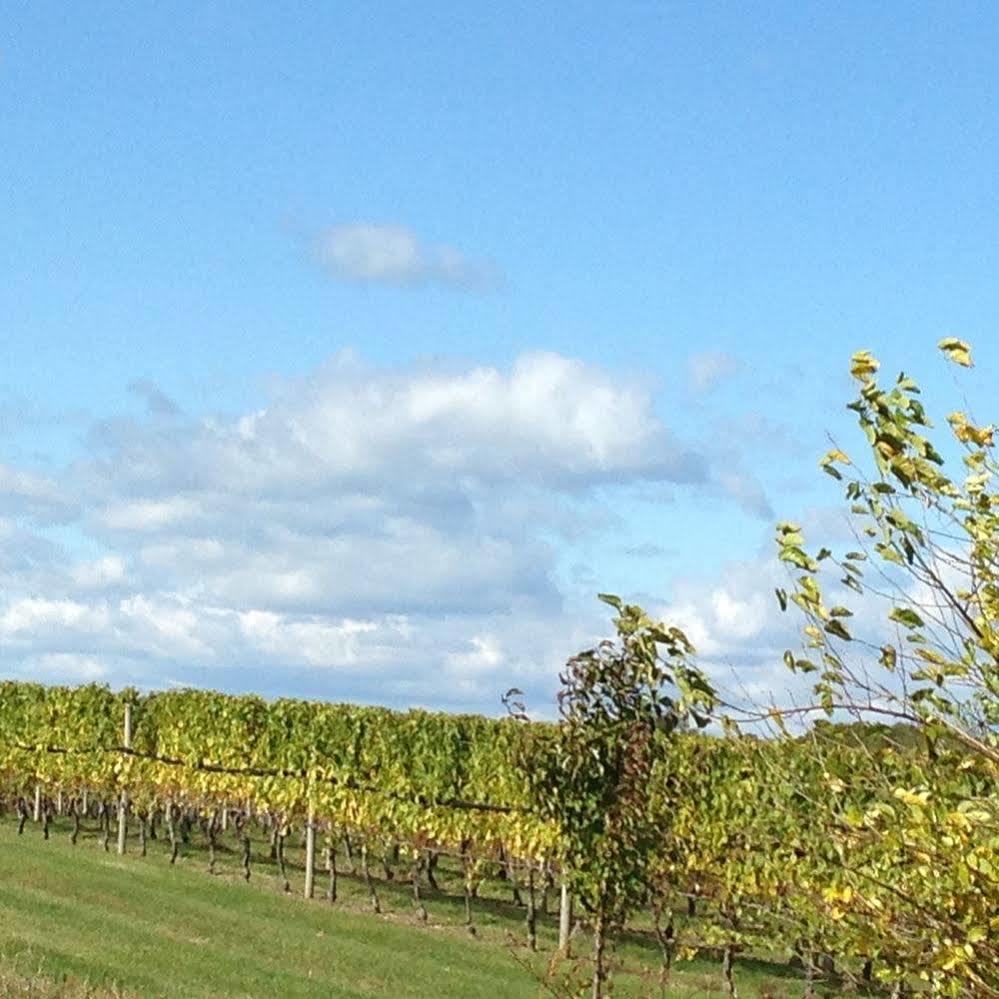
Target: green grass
(76, 921)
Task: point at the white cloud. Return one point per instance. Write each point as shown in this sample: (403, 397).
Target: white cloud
(396, 532)
(35, 615)
(734, 614)
(163, 626)
(65, 667)
(550, 420)
(314, 641)
(740, 617)
(376, 253)
(157, 402)
(709, 369)
(485, 653)
(358, 490)
(24, 493)
(100, 573)
(650, 550)
(149, 515)
(27, 485)
(747, 491)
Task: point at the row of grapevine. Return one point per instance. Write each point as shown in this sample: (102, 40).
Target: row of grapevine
(760, 841)
(778, 842)
(413, 785)
(417, 777)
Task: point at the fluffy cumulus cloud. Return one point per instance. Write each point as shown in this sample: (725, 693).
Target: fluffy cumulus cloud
(373, 253)
(735, 623)
(734, 620)
(66, 667)
(388, 535)
(344, 432)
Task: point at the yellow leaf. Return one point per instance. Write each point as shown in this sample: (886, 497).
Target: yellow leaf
(957, 351)
(863, 364)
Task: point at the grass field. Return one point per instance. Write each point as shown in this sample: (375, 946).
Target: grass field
(76, 921)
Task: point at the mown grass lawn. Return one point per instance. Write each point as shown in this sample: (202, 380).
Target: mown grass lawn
(75, 919)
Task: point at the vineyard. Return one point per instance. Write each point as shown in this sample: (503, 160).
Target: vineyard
(865, 853)
(757, 841)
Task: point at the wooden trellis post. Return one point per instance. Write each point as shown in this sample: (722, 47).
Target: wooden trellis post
(123, 798)
(310, 853)
(564, 919)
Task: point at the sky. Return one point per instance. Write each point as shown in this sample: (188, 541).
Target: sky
(348, 351)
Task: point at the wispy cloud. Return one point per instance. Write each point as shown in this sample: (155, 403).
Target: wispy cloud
(709, 369)
(376, 253)
(38, 497)
(650, 550)
(158, 403)
(748, 493)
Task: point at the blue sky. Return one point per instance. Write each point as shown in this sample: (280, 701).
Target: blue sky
(350, 351)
